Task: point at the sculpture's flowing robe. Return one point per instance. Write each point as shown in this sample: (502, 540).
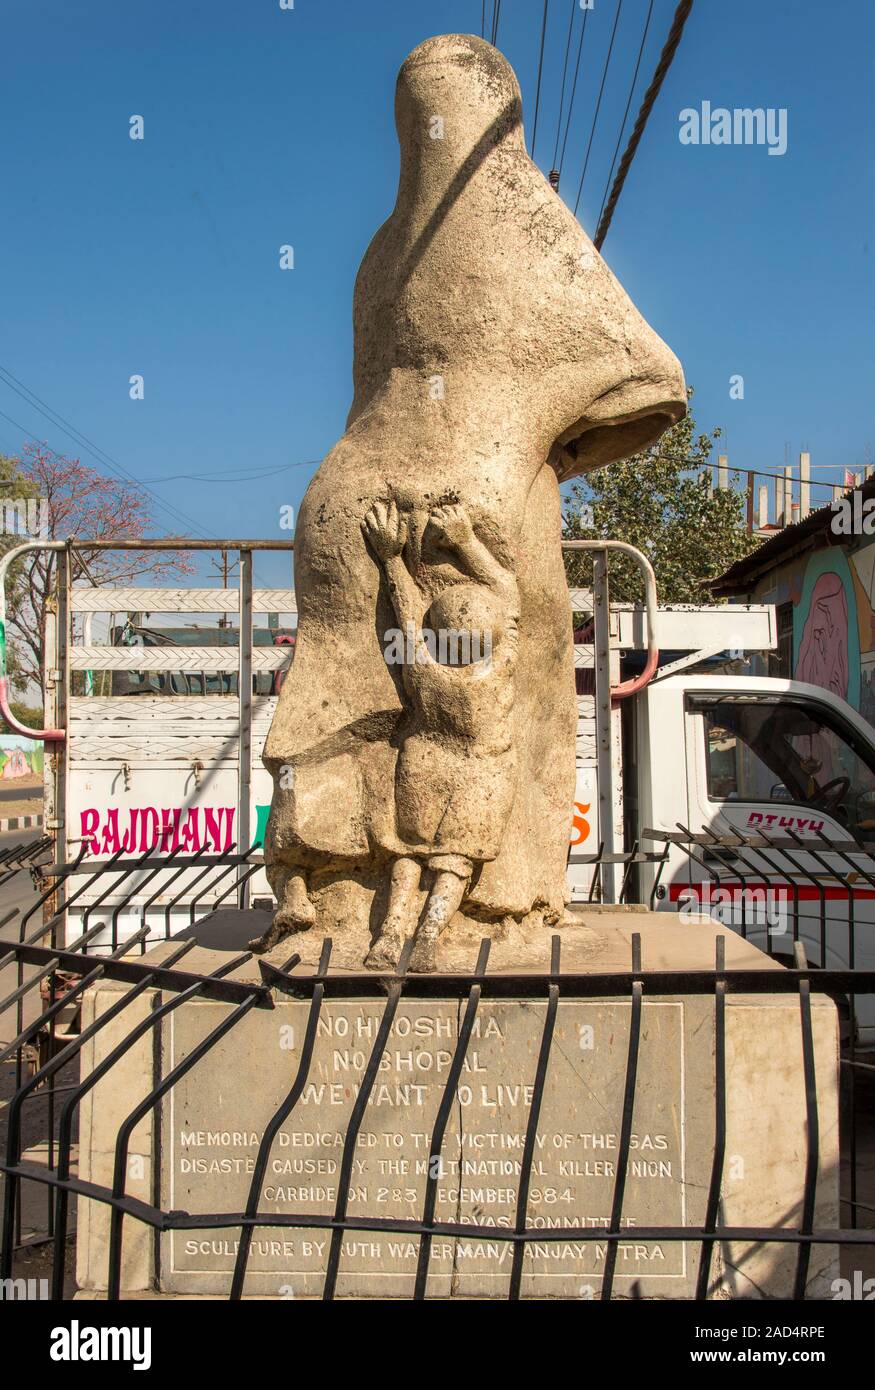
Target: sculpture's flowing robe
(495, 354)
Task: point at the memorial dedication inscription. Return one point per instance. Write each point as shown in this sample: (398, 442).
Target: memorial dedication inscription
(211, 1137)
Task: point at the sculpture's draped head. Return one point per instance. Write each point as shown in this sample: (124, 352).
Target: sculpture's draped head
(483, 275)
(468, 84)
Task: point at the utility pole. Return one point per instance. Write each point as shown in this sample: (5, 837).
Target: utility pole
(804, 485)
(225, 568)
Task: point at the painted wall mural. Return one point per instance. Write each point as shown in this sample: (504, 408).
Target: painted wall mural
(826, 643)
(20, 757)
(833, 598)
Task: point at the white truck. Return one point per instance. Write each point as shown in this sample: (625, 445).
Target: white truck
(746, 798)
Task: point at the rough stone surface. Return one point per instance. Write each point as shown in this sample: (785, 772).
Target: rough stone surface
(213, 1119)
(495, 355)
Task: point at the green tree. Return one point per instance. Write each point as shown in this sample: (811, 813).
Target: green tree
(26, 714)
(662, 502)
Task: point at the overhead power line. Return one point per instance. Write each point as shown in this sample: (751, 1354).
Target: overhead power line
(670, 48)
(599, 102)
(573, 91)
(83, 442)
(540, 70)
(562, 93)
(496, 16)
(106, 460)
(217, 476)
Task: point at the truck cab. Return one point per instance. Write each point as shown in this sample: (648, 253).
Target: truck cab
(788, 768)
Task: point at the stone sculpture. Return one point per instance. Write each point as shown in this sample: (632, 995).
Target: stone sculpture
(423, 745)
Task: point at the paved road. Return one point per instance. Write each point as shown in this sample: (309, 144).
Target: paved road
(10, 791)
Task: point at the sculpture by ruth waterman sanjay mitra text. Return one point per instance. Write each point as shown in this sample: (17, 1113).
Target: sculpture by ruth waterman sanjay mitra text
(423, 745)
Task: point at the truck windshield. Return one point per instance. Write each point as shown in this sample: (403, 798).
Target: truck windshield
(780, 750)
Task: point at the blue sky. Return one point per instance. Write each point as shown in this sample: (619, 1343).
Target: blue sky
(266, 127)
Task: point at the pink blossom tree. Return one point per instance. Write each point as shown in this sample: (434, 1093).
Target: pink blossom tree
(83, 503)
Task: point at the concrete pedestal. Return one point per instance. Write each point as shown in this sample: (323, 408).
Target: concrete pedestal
(198, 1151)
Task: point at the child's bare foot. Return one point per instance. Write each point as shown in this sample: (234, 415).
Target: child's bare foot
(283, 924)
(385, 952)
(296, 913)
(423, 960)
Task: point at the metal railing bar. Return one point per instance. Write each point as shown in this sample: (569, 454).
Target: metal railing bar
(766, 878)
(635, 856)
(856, 869)
(781, 875)
(812, 1128)
(630, 860)
(654, 892)
(54, 1064)
(154, 870)
(733, 871)
(864, 1206)
(706, 839)
(719, 1158)
(23, 1090)
(132, 1120)
(519, 1249)
(181, 894)
(35, 980)
(778, 980)
(193, 861)
(162, 888)
(55, 1008)
(443, 1114)
(113, 888)
(821, 890)
(235, 886)
(358, 1111)
(65, 1128)
(58, 915)
(210, 887)
(626, 1123)
(131, 972)
(281, 1114)
(195, 1221)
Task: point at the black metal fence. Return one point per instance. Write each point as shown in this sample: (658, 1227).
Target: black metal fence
(47, 1079)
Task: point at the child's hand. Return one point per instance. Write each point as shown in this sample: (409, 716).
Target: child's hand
(386, 529)
(452, 524)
